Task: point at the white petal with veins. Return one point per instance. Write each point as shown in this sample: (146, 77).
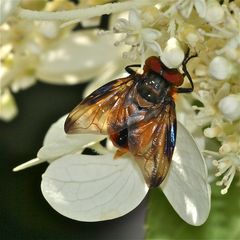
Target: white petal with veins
(78, 58)
(93, 188)
(57, 143)
(186, 185)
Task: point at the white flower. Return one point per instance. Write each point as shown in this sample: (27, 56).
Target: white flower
(97, 187)
(140, 38)
(230, 107)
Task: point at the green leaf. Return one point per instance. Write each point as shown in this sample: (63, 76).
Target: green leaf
(223, 222)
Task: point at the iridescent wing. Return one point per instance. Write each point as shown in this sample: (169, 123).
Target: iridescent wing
(148, 133)
(152, 141)
(110, 103)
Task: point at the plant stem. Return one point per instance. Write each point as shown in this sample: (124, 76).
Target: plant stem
(77, 15)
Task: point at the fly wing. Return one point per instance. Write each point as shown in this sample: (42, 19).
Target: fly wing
(152, 141)
(108, 103)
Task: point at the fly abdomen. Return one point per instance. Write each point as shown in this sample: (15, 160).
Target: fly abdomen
(120, 139)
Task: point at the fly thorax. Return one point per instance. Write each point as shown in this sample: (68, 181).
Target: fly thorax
(153, 87)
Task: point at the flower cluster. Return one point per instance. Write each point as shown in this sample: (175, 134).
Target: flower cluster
(22, 45)
(209, 28)
(42, 50)
(218, 90)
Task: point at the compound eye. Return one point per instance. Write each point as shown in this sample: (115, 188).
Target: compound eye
(173, 76)
(154, 64)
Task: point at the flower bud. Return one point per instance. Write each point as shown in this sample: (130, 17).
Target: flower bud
(189, 33)
(215, 12)
(230, 107)
(220, 68)
(8, 106)
(173, 54)
(200, 70)
(49, 29)
(211, 132)
(225, 148)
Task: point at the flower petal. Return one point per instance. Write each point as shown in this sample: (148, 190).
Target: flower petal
(150, 34)
(185, 115)
(201, 7)
(121, 25)
(134, 19)
(78, 58)
(93, 188)
(155, 47)
(6, 8)
(186, 8)
(186, 185)
(57, 143)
